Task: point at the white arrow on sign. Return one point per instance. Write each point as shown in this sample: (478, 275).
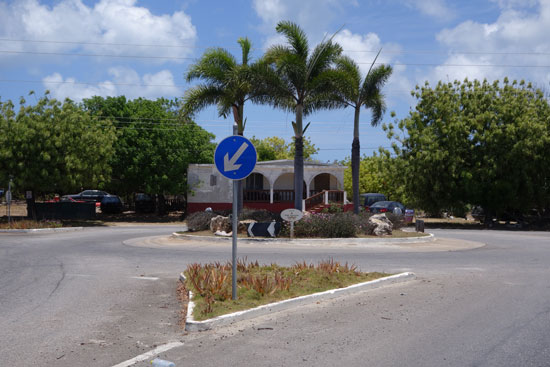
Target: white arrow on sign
(229, 164)
(271, 229)
(250, 229)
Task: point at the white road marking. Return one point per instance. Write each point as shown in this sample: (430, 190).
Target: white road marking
(146, 278)
(152, 353)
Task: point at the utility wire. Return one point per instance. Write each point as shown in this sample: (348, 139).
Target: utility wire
(194, 58)
(406, 51)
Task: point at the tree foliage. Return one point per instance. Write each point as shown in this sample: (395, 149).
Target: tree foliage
(274, 148)
(477, 143)
(154, 146)
(54, 146)
(379, 173)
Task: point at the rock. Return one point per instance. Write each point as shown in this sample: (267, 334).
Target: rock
(223, 224)
(220, 224)
(379, 225)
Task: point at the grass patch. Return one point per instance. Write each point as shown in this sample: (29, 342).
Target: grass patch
(259, 285)
(31, 224)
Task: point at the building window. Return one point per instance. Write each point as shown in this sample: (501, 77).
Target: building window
(255, 182)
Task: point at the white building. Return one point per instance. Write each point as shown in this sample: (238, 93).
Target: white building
(270, 186)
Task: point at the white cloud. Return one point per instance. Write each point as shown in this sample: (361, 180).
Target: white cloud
(115, 22)
(515, 45)
(311, 15)
(434, 8)
(125, 81)
(363, 49)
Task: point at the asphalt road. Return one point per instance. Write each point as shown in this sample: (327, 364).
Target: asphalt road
(92, 298)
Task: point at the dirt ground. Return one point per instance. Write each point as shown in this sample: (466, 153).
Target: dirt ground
(18, 209)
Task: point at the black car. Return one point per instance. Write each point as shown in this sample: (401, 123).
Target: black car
(144, 203)
(111, 204)
(88, 195)
(387, 207)
(370, 198)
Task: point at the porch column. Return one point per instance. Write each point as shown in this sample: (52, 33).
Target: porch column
(326, 197)
(345, 197)
(308, 194)
(271, 195)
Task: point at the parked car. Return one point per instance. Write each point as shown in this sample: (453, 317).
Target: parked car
(111, 204)
(144, 203)
(370, 198)
(68, 198)
(88, 195)
(386, 207)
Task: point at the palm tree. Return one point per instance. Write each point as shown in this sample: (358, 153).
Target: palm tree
(356, 93)
(301, 83)
(227, 84)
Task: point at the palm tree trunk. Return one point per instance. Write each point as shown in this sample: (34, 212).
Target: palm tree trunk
(355, 161)
(298, 159)
(238, 117)
(355, 164)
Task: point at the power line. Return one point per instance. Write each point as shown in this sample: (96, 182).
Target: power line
(394, 52)
(194, 58)
(96, 55)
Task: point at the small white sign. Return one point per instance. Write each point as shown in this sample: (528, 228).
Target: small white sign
(292, 215)
(8, 197)
(28, 194)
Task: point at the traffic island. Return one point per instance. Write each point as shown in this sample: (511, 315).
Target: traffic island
(193, 325)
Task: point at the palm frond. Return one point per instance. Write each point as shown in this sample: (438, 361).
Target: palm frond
(322, 58)
(377, 105)
(245, 47)
(296, 37)
(212, 66)
(199, 97)
(375, 80)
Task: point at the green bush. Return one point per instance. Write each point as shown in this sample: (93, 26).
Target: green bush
(259, 215)
(333, 208)
(398, 221)
(324, 225)
(199, 221)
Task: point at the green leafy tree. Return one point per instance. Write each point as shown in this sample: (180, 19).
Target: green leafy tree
(274, 148)
(477, 143)
(302, 82)
(154, 146)
(54, 146)
(380, 173)
(356, 93)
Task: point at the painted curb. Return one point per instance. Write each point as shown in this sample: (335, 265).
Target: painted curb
(41, 230)
(313, 241)
(192, 325)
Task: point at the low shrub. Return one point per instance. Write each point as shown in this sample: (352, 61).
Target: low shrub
(333, 208)
(324, 225)
(259, 215)
(199, 221)
(398, 220)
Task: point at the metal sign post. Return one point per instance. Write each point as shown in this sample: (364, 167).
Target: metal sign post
(8, 199)
(235, 158)
(292, 215)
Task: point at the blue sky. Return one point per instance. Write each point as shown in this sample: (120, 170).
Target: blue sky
(81, 48)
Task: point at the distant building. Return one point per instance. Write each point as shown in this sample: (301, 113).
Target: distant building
(270, 186)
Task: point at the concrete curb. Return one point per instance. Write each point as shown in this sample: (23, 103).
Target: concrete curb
(310, 241)
(192, 325)
(42, 230)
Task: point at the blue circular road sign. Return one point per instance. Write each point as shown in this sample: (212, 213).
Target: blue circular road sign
(235, 157)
